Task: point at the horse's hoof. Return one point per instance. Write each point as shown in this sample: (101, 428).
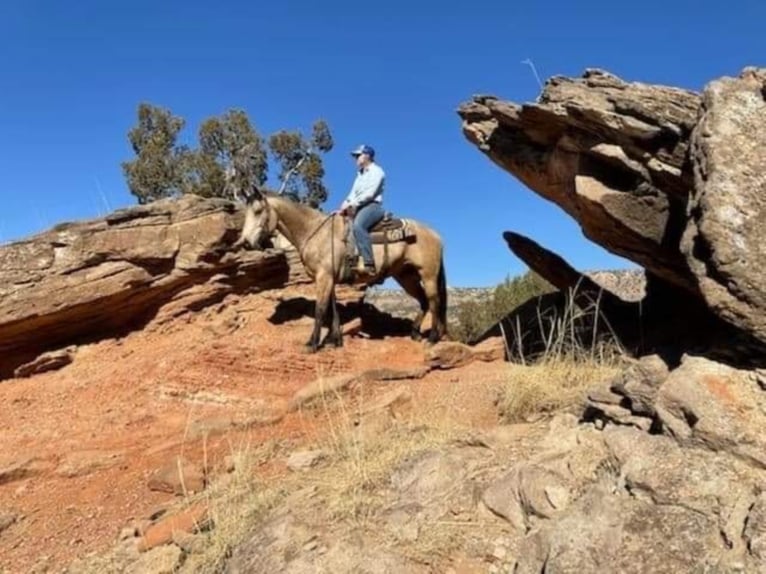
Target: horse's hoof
(416, 336)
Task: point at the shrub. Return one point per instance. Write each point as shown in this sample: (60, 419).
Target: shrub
(475, 317)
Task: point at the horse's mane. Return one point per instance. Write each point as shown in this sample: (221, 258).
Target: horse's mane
(267, 193)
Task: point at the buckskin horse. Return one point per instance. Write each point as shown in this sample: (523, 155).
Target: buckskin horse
(404, 249)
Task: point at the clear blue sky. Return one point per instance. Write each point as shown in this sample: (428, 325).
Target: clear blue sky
(390, 74)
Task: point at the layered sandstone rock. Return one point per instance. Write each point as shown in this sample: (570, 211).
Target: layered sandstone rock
(86, 280)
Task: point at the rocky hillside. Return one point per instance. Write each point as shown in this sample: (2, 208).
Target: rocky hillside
(161, 415)
(398, 303)
(629, 284)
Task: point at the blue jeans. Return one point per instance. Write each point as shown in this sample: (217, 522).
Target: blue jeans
(365, 218)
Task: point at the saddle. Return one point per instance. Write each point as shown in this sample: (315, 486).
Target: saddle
(388, 230)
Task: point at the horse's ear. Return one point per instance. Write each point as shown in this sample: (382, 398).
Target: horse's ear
(253, 195)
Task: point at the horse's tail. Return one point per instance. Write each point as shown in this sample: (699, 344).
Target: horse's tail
(442, 289)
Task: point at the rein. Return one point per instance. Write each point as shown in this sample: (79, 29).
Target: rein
(332, 241)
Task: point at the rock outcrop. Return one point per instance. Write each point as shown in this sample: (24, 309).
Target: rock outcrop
(668, 178)
(724, 237)
(584, 314)
(671, 483)
(83, 281)
(663, 472)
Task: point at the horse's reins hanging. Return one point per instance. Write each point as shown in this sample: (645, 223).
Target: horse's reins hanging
(332, 240)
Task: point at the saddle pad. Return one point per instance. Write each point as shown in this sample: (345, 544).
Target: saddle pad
(399, 231)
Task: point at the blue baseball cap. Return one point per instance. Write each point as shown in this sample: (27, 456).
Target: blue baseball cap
(364, 149)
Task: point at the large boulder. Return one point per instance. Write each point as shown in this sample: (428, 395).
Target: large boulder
(667, 178)
(83, 281)
(725, 234)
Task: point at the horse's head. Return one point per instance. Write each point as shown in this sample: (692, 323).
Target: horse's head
(260, 220)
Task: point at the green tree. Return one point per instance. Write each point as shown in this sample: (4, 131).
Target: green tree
(301, 168)
(158, 169)
(475, 317)
(162, 168)
(224, 140)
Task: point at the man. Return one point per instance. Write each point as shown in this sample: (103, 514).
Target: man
(365, 203)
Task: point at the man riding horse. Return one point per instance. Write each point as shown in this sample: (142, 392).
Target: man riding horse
(364, 205)
(412, 254)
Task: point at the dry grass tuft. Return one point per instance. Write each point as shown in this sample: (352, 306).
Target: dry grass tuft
(573, 362)
(237, 501)
(551, 385)
(365, 446)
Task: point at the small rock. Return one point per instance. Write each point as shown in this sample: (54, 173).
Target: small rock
(19, 470)
(395, 401)
(490, 350)
(502, 499)
(87, 462)
(303, 460)
(178, 476)
(449, 355)
(7, 518)
(499, 553)
(194, 519)
(604, 395)
(384, 374)
(46, 362)
(321, 386)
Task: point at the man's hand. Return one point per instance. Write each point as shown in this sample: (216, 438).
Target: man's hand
(344, 211)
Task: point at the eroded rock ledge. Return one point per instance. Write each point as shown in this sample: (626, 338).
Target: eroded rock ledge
(668, 178)
(87, 280)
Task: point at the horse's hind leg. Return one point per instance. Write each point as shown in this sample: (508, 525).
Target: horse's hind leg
(410, 282)
(431, 287)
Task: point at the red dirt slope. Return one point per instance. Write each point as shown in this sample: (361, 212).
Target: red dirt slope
(80, 444)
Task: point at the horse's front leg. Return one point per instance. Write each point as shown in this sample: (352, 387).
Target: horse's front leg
(324, 292)
(334, 335)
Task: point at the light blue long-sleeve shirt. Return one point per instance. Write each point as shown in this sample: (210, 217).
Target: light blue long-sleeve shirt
(368, 186)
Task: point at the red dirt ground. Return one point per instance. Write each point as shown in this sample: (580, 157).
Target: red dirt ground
(78, 445)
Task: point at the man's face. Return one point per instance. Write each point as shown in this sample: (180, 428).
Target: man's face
(362, 160)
